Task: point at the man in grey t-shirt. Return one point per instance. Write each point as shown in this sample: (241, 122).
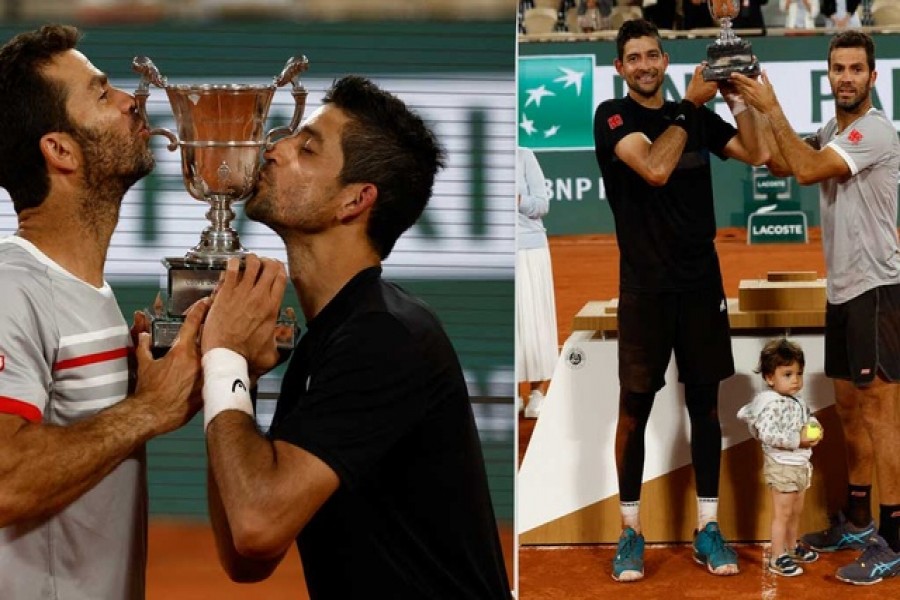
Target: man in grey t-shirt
(73, 501)
(855, 159)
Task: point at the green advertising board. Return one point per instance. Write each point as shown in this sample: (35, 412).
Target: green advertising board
(557, 85)
(770, 187)
(777, 227)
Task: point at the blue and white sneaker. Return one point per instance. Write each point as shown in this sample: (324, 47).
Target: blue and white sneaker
(628, 565)
(840, 535)
(710, 549)
(785, 566)
(876, 562)
(802, 554)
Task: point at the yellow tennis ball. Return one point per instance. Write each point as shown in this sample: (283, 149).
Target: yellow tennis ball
(813, 431)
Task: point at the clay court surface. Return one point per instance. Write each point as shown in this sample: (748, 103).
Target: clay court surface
(586, 268)
(183, 566)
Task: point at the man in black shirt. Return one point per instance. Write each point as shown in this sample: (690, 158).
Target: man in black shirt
(372, 462)
(655, 159)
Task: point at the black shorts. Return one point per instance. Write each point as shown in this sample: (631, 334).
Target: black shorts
(862, 336)
(692, 324)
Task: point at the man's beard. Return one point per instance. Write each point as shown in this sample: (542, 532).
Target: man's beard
(112, 164)
(301, 217)
(644, 93)
(854, 104)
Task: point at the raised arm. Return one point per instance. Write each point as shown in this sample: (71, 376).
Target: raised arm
(748, 145)
(655, 161)
(777, 165)
(806, 163)
(45, 467)
(261, 493)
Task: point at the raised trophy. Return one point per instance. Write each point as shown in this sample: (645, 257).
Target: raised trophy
(221, 136)
(729, 53)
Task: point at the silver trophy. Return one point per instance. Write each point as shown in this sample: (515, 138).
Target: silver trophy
(729, 53)
(221, 133)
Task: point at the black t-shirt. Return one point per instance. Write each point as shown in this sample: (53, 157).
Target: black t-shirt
(665, 233)
(375, 390)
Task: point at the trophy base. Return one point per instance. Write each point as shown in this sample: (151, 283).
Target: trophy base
(188, 281)
(165, 328)
(725, 59)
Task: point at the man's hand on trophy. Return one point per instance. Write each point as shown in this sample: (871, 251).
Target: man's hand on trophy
(699, 91)
(171, 385)
(244, 312)
(758, 94)
(732, 97)
(140, 324)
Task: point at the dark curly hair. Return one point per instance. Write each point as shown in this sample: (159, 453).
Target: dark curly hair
(388, 145)
(31, 105)
(633, 29)
(853, 39)
(779, 353)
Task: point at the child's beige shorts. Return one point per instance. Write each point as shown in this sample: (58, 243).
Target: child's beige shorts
(787, 478)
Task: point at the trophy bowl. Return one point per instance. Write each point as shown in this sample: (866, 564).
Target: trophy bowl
(729, 53)
(221, 135)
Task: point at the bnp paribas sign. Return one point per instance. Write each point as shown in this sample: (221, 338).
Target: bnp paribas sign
(556, 102)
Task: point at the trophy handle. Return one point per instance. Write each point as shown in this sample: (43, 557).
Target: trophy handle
(150, 74)
(291, 73)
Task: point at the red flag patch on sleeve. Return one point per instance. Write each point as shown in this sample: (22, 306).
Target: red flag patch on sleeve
(614, 121)
(855, 136)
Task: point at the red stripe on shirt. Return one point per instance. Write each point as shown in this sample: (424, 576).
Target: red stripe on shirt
(11, 406)
(91, 359)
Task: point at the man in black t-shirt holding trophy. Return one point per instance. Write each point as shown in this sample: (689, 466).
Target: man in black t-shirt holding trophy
(655, 159)
(372, 465)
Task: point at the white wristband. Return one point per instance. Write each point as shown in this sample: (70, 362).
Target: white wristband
(736, 104)
(738, 107)
(226, 384)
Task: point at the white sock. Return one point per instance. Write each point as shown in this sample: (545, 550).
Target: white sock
(707, 510)
(631, 515)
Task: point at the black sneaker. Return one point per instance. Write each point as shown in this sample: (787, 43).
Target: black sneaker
(840, 535)
(875, 563)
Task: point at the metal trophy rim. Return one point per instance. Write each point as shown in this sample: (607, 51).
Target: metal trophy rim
(214, 144)
(219, 87)
(219, 240)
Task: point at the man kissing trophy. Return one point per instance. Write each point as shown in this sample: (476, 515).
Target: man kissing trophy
(221, 136)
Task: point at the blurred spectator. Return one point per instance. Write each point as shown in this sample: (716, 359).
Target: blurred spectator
(695, 15)
(800, 14)
(660, 12)
(840, 14)
(865, 13)
(593, 15)
(750, 16)
(536, 335)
